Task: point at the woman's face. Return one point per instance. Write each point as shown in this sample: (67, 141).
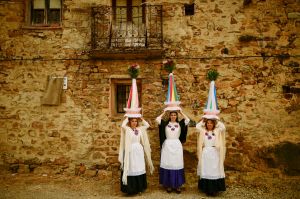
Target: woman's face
(173, 117)
(210, 125)
(133, 122)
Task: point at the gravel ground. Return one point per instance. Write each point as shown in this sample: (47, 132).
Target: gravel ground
(31, 186)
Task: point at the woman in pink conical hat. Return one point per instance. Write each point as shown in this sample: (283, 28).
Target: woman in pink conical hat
(172, 134)
(211, 145)
(134, 145)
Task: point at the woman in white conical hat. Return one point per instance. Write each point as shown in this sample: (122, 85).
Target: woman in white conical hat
(211, 145)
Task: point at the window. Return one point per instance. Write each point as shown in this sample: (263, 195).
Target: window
(120, 89)
(189, 9)
(45, 12)
(129, 10)
(128, 26)
(122, 97)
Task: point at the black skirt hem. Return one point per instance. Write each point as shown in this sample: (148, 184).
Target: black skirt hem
(211, 186)
(135, 184)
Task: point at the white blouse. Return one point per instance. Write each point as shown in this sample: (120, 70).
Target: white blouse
(209, 139)
(173, 128)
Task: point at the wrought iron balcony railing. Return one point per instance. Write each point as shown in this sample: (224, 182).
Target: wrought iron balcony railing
(123, 28)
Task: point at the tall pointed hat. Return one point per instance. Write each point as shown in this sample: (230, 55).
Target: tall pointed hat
(211, 109)
(172, 103)
(132, 109)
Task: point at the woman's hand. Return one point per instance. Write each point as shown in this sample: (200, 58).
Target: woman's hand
(164, 112)
(151, 168)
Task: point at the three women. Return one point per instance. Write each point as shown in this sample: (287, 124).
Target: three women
(211, 151)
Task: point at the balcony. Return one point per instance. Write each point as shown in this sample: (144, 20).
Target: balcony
(124, 32)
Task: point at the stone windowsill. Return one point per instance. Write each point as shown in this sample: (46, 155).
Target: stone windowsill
(30, 27)
(117, 117)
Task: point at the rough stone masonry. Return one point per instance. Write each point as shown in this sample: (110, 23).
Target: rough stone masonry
(253, 44)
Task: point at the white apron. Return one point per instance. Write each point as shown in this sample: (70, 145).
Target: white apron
(136, 156)
(172, 152)
(210, 158)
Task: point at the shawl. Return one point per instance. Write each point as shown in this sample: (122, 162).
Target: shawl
(125, 143)
(220, 144)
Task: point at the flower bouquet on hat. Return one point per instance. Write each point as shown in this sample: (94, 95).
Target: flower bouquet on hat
(132, 109)
(169, 65)
(211, 109)
(134, 70)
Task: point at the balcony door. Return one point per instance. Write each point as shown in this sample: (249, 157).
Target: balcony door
(128, 27)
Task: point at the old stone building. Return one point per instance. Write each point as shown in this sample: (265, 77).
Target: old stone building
(254, 45)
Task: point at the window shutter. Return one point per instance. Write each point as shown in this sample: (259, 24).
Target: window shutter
(39, 4)
(55, 4)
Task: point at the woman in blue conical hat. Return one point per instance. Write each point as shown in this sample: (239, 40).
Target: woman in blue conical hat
(211, 145)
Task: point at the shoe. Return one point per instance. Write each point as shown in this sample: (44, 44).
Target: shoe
(169, 190)
(178, 190)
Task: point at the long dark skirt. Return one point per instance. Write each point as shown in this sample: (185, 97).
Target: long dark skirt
(211, 186)
(171, 178)
(135, 184)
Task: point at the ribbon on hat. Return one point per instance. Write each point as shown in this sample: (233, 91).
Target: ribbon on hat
(212, 102)
(133, 99)
(172, 95)
(132, 107)
(172, 102)
(211, 109)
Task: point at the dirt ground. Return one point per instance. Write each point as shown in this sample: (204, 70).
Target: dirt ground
(30, 186)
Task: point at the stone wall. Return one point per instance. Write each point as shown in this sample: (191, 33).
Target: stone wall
(252, 46)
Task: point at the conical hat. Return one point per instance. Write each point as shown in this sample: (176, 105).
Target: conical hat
(211, 109)
(172, 103)
(132, 108)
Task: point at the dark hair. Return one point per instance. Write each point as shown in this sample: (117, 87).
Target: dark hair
(213, 121)
(176, 115)
(129, 120)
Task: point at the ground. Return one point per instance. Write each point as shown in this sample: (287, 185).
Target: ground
(31, 186)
